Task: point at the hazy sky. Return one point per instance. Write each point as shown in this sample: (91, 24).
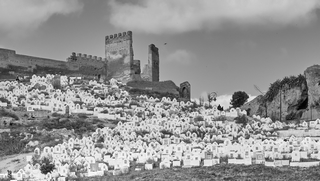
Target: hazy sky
(216, 45)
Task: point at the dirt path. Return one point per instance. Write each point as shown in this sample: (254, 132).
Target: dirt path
(13, 162)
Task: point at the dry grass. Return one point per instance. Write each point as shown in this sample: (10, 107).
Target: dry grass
(220, 172)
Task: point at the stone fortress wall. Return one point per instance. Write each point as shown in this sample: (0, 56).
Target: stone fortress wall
(119, 54)
(88, 64)
(118, 63)
(9, 57)
(24, 64)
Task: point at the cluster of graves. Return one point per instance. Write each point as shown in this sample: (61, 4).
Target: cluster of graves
(160, 134)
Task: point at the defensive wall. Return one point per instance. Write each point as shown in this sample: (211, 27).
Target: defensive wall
(119, 55)
(13, 64)
(118, 63)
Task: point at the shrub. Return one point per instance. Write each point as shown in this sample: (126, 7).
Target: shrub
(198, 118)
(56, 115)
(4, 113)
(142, 133)
(166, 132)
(291, 116)
(2, 99)
(82, 115)
(221, 118)
(292, 81)
(241, 120)
(46, 166)
(104, 111)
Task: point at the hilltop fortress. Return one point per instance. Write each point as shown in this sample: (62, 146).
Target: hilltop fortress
(119, 63)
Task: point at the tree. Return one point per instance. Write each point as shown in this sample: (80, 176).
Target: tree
(239, 98)
(46, 166)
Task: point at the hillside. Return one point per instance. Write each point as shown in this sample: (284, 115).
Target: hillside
(155, 89)
(298, 96)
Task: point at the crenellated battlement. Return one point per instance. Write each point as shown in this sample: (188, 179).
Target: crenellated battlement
(76, 56)
(125, 36)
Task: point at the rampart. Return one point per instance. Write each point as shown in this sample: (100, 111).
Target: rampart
(88, 65)
(119, 55)
(9, 57)
(12, 64)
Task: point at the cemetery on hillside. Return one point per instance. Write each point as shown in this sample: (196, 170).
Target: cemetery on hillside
(149, 133)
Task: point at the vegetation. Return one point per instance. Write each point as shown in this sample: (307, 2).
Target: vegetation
(80, 126)
(221, 118)
(154, 94)
(46, 166)
(13, 144)
(239, 98)
(242, 120)
(4, 113)
(2, 99)
(290, 82)
(198, 119)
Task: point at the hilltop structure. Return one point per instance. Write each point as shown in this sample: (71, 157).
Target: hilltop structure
(119, 63)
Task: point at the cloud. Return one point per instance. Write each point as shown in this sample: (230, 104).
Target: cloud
(181, 56)
(20, 16)
(176, 16)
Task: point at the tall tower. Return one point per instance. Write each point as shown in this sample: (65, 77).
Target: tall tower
(119, 54)
(153, 61)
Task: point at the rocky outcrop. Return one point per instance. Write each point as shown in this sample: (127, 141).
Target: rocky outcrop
(312, 75)
(294, 102)
(298, 101)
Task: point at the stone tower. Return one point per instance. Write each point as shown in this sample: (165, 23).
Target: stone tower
(185, 90)
(119, 54)
(151, 70)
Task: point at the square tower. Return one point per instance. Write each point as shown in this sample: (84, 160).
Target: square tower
(119, 55)
(151, 70)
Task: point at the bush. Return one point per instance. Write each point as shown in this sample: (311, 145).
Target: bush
(4, 113)
(221, 118)
(241, 120)
(198, 118)
(292, 81)
(2, 99)
(82, 115)
(291, 116)
(166, 132)
(46, 166)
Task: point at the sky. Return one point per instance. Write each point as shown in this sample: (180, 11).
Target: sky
(220, 46)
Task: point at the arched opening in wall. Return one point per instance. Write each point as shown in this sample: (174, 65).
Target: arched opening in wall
(99, 76)
(184, 92)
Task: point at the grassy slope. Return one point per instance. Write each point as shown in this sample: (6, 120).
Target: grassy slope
(221, 172)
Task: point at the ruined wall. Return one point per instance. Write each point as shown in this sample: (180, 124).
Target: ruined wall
(136, 70)
(151, 70)
(12, 65)
(136, 67)
(9, 57)
(88, 65)
(153, 58)
(185, 90)
(119, 54)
